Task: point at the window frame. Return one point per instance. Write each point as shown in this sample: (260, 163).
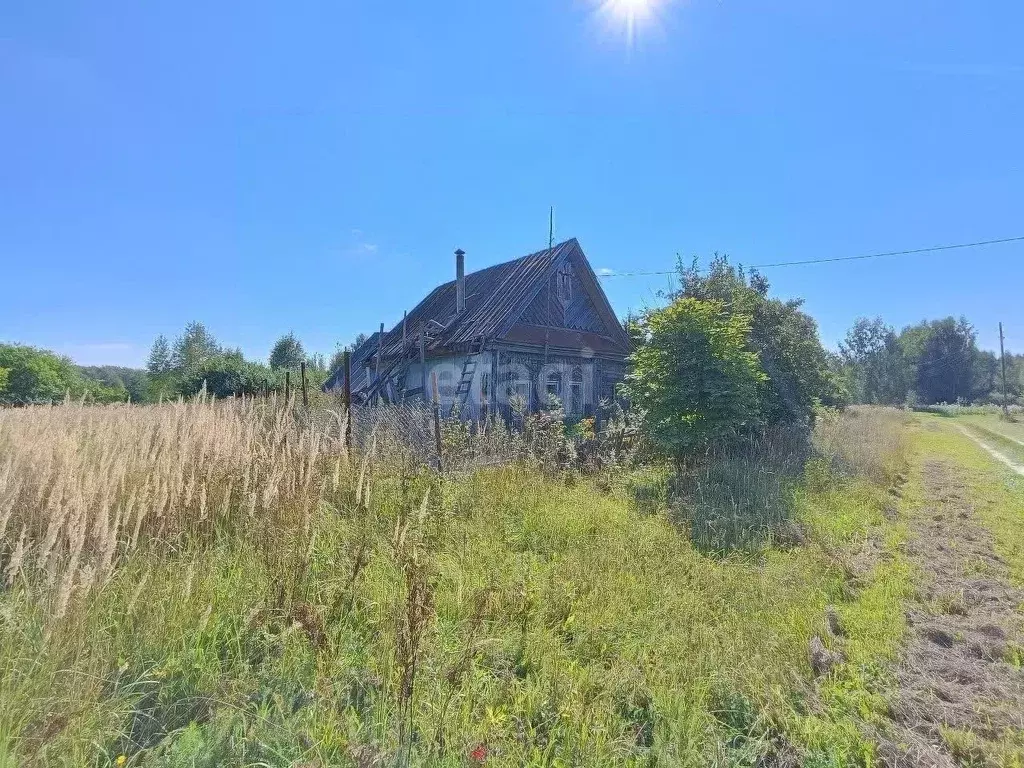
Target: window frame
(577, 407)
(554, 379)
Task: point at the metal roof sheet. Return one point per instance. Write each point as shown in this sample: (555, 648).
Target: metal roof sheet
(494, 298)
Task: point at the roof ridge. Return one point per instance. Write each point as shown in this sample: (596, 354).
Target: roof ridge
(505, 263)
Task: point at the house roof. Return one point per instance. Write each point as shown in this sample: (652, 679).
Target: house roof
(359, 377)
(495, 298)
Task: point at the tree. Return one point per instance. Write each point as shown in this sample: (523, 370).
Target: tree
(880, 370)
(287, 353)
(987, 379)
(694, 376)
(36, 375)
(5, 377)
(162, 375)
(159, 361)
(128, 383)
(784, 338)
(944, 352)
(228, 375)
(338, 357)
(194, 347)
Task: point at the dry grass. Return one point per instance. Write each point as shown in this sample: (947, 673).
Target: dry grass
(81, 487)
(866, 441)
(211, 584)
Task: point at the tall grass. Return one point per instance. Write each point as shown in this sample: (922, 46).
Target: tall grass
(745, 496)
(82, 487)
(864, 441)
(224, 584)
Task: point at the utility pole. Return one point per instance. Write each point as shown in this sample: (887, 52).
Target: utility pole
(1002, 359)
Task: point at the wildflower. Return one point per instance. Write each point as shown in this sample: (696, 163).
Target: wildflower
(479, 754)
(121, 760)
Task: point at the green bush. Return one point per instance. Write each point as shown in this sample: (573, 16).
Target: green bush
(36, 376)
(694, 376)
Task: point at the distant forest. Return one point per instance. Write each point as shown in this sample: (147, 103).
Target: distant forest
(178, 367)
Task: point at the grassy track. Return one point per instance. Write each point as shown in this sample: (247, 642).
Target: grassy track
(998, 492)
(962, 506)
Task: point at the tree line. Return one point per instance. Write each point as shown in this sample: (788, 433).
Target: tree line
(179, 367)
(936, 361)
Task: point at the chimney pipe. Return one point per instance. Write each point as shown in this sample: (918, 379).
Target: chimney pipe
(460, 281)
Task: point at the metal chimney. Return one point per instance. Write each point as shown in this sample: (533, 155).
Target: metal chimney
(460, 281)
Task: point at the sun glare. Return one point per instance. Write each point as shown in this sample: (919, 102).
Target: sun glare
(630, 15)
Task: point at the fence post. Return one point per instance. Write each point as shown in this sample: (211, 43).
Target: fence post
(423, 362)
(483, 405)
(347, 390)
(305, 391)
(287, 386)
(437, 421)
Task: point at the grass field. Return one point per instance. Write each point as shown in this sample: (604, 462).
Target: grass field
(213, 584)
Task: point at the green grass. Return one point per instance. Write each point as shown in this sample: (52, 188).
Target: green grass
(544, 621)
(605, 638)
(997, 492)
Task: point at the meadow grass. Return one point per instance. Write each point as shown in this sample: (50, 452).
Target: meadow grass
(205, 584)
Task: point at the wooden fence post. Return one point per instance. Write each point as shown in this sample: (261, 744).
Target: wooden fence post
(437, 421)
(376, 372)
(287, 386)
(305, 390)
(483, 405)
(423, 362)
(347, 390)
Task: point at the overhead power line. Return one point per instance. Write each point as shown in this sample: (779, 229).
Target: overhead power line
(933, 249)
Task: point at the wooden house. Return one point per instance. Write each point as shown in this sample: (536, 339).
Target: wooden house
(500, 338)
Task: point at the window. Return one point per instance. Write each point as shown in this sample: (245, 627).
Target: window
(518, 392)
(554, 385)
(576, 388)
(565, 287)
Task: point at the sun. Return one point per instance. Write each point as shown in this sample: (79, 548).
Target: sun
(630, 15)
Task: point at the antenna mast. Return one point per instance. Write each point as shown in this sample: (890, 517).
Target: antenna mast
(551, 228)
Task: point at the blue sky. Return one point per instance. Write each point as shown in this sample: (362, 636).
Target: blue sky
(266, 167)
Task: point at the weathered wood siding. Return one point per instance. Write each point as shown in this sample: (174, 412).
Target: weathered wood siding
(579, 313)
(573, 379)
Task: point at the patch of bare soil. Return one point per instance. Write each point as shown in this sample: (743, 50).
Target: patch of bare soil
(955, 671)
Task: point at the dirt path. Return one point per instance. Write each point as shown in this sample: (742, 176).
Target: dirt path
(959, 696)
(1018, 468)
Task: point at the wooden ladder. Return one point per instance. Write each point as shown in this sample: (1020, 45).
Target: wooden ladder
(465, 384)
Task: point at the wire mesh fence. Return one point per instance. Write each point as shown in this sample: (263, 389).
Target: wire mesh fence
(419, 434)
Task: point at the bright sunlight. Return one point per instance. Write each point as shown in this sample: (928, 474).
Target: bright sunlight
(630, 15)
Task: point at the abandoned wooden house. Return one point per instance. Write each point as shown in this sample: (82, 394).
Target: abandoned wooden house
(500, 339)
